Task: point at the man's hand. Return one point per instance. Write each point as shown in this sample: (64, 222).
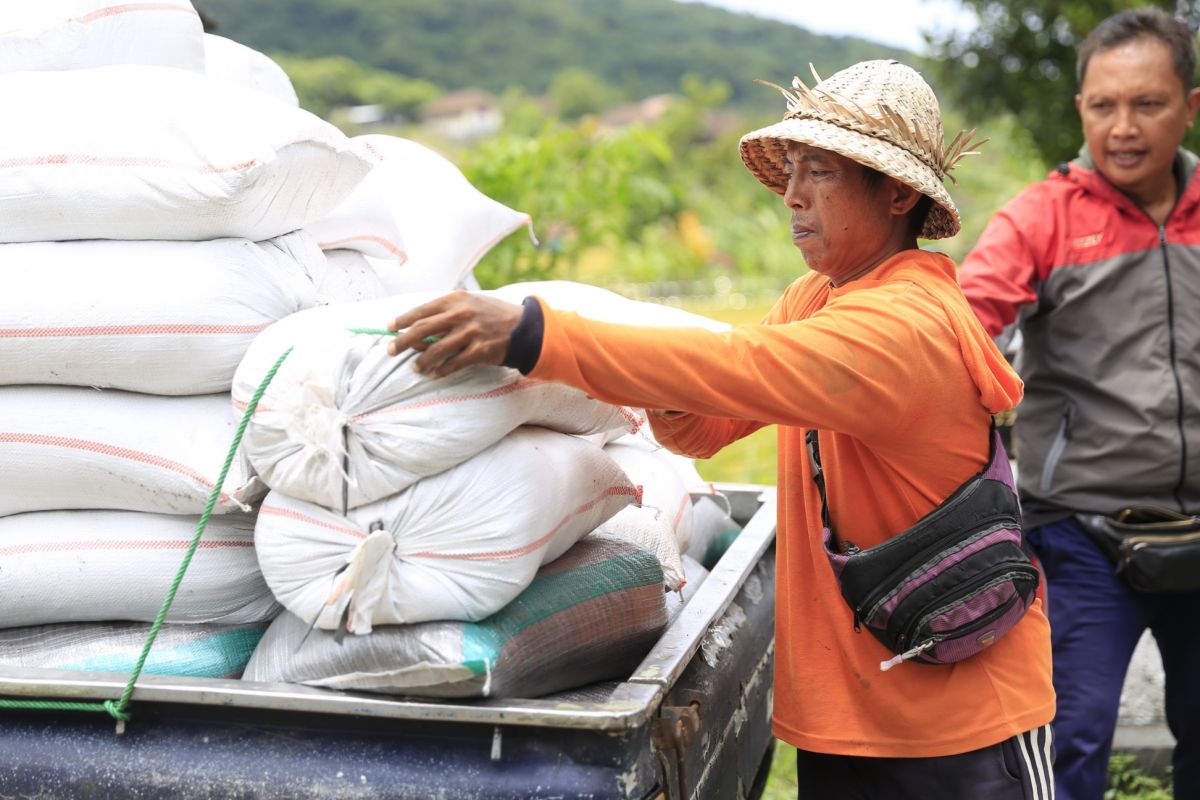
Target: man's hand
(455, 331)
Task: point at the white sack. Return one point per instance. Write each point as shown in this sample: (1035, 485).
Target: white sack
(343, 422)
(70, 448)
(95, 566)
(193, 651)
(348, 278)
(156, 317)
(419, 216)
(714, 529)
(662, 489)
(73, 34)
(244, 66)
(130, 152)
(455, 546)
(650, 530)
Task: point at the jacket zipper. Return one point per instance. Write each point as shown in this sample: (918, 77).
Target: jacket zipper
(1065, 426)
(1178, 491)
(876, 598)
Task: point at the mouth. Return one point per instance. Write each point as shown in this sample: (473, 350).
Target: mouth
(800, 232)
(1126, 158)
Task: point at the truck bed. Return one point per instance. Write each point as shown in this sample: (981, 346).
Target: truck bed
(692, 721)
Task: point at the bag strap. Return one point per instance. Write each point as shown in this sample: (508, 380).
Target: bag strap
(818, 473)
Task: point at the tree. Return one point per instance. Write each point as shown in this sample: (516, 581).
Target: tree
(1021, 59)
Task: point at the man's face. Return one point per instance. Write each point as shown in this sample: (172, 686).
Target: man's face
(1135, 112)
(840, 224)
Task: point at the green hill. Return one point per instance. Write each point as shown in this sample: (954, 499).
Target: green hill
(642, 47)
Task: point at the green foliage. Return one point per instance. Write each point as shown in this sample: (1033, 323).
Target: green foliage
(1127, 782)
(323, 84)
(577, 91)
(1020, 59)
(642, 46)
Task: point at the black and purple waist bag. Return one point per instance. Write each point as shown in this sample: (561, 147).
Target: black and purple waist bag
(950, 585)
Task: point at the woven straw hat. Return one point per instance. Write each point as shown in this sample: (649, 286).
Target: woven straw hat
(878, 113)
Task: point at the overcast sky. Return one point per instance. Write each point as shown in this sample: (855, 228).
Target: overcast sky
(894, 22)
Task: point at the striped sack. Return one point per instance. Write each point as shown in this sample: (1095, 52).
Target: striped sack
(458, 545)
(591, 615)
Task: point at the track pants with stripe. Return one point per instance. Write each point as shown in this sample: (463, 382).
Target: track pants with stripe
(1015, 769)
(1095, 623)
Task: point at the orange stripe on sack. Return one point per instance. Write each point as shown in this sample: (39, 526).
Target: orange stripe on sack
(125, 544)
(66, 159)
(131, 330)
(504, 555)
(108, 450)
(515, 386)
(112, 11)
(296, 516)
(684, 502)
(386, 244)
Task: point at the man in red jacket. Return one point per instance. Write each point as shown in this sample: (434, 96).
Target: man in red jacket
(1099, 265)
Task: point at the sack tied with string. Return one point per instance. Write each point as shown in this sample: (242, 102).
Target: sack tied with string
(458, 545)
(343, 423)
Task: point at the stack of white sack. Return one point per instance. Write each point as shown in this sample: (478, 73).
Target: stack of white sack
(466, 498)
(152, 220)
(342, 423)
(416, 218)
(663, 522)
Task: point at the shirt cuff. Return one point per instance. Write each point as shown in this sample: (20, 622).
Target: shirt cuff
(525, 343)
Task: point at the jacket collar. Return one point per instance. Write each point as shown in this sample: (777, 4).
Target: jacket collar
(1082, 170)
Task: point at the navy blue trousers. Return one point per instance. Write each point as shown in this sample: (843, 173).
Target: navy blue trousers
(1095, 623)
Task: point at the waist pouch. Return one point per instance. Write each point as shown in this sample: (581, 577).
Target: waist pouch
(1156, 550)
(949, 586)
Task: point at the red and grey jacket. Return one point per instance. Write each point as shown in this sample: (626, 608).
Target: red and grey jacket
(1108, 304)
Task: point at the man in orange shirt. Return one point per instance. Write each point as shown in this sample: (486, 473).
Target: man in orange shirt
(877, 349)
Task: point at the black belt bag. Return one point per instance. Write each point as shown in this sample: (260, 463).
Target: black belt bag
(950, 585)
(1156, 550)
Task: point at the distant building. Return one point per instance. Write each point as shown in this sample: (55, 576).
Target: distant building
(463, 115)
(644, 112)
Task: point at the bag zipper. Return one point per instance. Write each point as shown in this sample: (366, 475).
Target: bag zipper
(873, 600)
(979, 584)
(1132, 543)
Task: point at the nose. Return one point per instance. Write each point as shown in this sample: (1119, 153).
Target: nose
(1125, 123)
(794, 195)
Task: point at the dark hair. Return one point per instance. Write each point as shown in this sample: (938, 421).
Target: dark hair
(1132, 23)
(873, 178)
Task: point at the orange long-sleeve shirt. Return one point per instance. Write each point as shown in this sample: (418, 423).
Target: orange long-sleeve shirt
(901, 379)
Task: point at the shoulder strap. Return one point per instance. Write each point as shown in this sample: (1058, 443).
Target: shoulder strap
(814, 458)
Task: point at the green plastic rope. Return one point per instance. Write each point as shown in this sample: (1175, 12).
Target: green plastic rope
(386, 332)
(119, 709)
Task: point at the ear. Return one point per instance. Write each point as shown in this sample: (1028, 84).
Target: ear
(1079, 104)
(902, 198)
(1193, 104)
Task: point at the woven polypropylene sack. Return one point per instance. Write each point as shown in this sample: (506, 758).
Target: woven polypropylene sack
(95, 566)
(645, 527)
(662, 489)
(348, 278)
(591, 615)
(458, 545)
(74, 34)
(419, 216)
(244, 66)
(73, 448)
(193, 651)
(155, 317)
(156, 153)
(344, 423)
